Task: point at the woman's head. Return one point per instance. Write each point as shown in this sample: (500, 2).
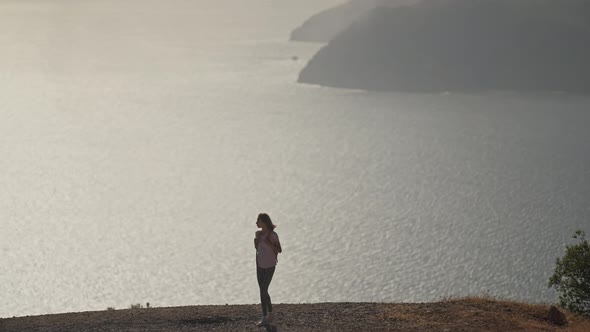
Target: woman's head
(264, 222)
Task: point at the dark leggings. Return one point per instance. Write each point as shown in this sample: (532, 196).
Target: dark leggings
(264, 278)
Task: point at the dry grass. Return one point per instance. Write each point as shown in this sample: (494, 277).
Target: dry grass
(577, 323)
(482, 313)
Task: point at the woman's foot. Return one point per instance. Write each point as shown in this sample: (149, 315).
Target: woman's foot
(262, 321)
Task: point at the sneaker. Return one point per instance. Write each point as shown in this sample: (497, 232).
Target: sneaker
(262, 321)
(270, 317)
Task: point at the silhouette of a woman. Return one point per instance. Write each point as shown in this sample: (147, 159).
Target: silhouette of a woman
(266, 242)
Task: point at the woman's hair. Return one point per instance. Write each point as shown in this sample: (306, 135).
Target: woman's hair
(263, 217)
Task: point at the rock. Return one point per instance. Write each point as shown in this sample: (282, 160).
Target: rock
(556, 317)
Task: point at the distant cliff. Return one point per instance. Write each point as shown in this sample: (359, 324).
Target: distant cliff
(323, 26)
(461, 45)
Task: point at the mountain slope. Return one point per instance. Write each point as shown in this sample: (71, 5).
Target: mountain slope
(323, 26)
(462, 45)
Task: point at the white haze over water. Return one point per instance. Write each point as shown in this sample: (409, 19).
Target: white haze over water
(140, 139)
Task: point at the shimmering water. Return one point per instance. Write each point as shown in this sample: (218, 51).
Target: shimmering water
(140, 139)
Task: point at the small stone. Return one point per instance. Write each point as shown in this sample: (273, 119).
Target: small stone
(556, 317)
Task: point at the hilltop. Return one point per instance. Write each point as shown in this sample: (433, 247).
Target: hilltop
(469, 314)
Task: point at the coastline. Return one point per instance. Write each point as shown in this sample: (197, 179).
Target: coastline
(464, 314)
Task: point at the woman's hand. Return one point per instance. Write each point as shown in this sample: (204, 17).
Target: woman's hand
(256, 237)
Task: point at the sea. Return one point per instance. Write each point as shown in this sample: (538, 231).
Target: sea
(139, 140)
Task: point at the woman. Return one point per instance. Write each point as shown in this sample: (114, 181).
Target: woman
(266, 242)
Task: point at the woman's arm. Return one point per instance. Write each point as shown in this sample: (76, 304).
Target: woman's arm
(275, 243)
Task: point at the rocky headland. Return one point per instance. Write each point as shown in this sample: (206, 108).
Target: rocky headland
(461, 45)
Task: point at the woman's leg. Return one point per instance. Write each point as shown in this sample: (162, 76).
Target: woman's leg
(264, 279)
(260, 277)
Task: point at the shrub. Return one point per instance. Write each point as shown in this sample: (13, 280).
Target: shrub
(571, 277)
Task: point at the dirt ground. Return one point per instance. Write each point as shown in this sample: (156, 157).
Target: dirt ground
(471, 314)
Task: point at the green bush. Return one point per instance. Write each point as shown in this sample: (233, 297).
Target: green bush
(571, 277)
